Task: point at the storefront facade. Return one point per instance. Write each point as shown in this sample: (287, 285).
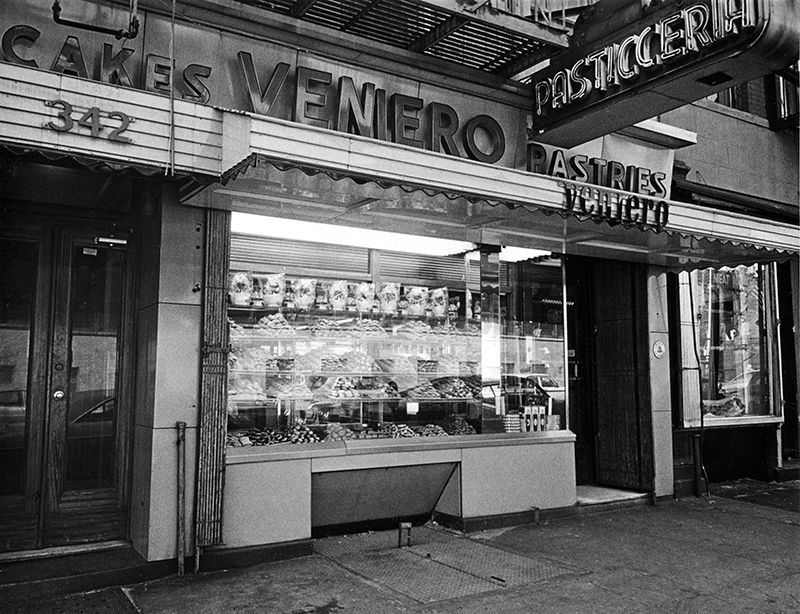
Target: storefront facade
(357, 285)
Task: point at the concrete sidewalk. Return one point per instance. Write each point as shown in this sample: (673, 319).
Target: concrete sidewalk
(694, 555)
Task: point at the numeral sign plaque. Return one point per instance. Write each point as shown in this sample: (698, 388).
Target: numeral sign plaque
(69, 118)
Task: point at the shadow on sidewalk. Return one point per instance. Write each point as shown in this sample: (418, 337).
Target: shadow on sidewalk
(784, 495)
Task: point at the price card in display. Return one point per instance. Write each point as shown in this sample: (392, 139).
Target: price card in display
(499, 406)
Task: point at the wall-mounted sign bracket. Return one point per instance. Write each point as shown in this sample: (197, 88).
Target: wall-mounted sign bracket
(131, 32)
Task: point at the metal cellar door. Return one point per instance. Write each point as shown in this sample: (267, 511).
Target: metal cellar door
(624, 443)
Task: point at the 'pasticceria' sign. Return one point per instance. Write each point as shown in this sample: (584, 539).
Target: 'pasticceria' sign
(241, 72)
(670, 37)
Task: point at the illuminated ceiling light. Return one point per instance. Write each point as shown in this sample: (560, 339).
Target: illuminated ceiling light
(518, 254)
(615, 246)
(514, 254)
(315, 232)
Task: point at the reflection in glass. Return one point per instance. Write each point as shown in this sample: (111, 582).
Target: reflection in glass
(732, 340)
(533, 375)
(17, 296)
(96, 307)
(466, 343)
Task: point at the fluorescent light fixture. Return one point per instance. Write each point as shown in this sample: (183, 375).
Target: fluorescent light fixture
(315, 232)
(510, 253)
(616, 246)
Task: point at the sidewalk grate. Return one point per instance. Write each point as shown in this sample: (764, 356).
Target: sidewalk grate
(438, 565)
(421, 579)
(491, 563)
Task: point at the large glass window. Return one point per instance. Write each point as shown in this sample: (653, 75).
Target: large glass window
(727, 335)
(332, 342)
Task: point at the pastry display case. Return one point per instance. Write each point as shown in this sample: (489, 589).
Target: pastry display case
(316, 359)
(304, 374)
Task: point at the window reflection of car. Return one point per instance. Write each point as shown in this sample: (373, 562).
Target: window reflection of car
(91, 436)
(534, 381)
(549, 385)
(95, 422)
(12, 418)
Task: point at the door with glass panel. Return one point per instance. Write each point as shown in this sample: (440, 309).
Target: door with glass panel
(63, 398)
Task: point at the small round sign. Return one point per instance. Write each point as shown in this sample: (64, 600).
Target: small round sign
(658, 349)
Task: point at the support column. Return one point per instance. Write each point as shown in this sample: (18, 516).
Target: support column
(490, 314)
(660, 380)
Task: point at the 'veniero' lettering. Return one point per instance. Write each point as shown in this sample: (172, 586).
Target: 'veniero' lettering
(494, 139)
(355, 115)
(403, 119)
(262, 102)
(613, 206)
(444, 125)
(311, 97)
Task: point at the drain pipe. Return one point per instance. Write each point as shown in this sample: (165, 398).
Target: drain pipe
(181, 426)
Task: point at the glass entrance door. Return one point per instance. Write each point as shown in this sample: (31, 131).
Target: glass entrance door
(64, 427)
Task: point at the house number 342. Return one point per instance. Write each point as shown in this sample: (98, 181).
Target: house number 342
(91, 120)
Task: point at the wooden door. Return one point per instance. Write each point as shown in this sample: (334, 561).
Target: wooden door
(66, 318)
(580, 339)
(624, 442)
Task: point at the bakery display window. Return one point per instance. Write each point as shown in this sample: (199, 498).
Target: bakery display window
(330, 342)
(727, 329)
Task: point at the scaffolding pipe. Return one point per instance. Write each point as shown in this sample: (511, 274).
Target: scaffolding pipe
(181, 426)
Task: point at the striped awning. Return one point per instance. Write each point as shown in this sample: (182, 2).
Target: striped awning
(290, 170)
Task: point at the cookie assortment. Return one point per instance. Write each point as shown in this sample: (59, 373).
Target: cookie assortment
(297, 378)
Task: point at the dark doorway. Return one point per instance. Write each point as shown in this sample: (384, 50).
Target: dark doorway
(609, 373)
(65, 313)
(788, 317)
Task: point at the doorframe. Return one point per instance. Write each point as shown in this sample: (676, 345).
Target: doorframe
(56, 234)
(643, 445)
(585, 320)
(583, 405)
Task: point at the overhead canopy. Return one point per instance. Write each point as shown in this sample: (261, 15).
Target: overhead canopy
(305, 173)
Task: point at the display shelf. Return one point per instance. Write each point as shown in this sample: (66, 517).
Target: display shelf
(320, 399)
(339, 313)
(382, 374)
(432, 338)
(421, 353)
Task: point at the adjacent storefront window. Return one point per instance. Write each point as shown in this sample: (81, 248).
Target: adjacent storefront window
(332, 342)
(727, 331)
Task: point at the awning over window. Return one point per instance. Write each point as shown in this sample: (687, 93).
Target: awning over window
(290, 170)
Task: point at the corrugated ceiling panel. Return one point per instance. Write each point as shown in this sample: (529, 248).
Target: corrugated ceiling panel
(261, 254)
(400, 266)
(267, 254)
(433, 269)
